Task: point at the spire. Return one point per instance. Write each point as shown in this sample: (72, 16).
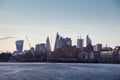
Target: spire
(57, 37)
(48, 44)
(88, 41)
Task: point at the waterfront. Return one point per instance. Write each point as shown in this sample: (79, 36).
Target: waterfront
(59, 71)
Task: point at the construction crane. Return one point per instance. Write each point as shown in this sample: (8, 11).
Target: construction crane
(30, 46)
(28, 41)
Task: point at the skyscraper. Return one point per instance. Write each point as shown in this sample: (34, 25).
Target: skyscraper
(60, 41)
(68, 41)
(80, 43)
(64, 41)
(88, 41)
(41, 48)
(48, 45)
(56, 41)
(19, 46)
(99, 47)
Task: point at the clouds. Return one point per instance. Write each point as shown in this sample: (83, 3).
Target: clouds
(7, 37)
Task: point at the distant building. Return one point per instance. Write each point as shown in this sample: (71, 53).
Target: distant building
(106, 54)
(60, 42)
(64, 41)
(98, 47)
(89, 54)
(116, 52)
(56, 41)
(66, 53)
(80, 43)
(106, 48)
(88, 41)
(94, 48)
(41, 48)
(37, 47)
(68, 41)
(97, 55)
(48, 45)
(19, 46)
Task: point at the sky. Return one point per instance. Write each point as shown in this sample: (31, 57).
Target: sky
(37, 19)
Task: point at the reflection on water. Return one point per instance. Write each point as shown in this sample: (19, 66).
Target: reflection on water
(59, 71)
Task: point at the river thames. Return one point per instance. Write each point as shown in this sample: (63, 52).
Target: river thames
(59, 71)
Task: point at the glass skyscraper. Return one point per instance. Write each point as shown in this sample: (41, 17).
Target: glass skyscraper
(19, 46)
(88, 41)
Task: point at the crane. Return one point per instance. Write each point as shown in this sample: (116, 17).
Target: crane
(28, 41)
(30, 46)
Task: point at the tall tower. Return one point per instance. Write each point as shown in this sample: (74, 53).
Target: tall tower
(88, 41)
(48, 45)
(56, 41)
(68, 41)
(99, 47)
(19, 46)
(80, 43)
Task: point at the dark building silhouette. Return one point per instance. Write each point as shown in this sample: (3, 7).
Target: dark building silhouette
(88, 41)
(116, 52)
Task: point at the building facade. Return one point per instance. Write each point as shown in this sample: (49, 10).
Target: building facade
(48, 47)
(60, 42)
(19, 46)
(80, 43)
(56, 41)
(88, 41)
(41, 48)
(98, 47)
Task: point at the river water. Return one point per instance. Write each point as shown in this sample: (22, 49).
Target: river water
(59, 71)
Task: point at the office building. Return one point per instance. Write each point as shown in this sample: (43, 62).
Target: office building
(60, 42)
(98, 47)
(68, 41)
(48, 45)
(41, 48)
(19, 46)
(56, 41)
(80, 43)
(88, 41)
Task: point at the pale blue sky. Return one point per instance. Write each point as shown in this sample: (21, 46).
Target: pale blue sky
(39, 18)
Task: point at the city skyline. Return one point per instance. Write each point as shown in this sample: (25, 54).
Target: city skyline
(41, 18)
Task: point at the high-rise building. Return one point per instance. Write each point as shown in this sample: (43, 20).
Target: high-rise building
(41, 48)
(37, 47)
(64, 41)
(80, 43)
(48, 45)
(99, 47)
(19, 46)
(60, 42)
(68, 41)
(56, 41)
(94, 47)
(88, 41)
